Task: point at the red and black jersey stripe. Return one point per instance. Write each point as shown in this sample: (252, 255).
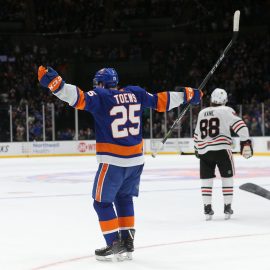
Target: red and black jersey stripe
(218, 140)
(213, 139)
(238, 125)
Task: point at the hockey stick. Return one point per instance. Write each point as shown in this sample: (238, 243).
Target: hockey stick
(236, 19)
(253, 188)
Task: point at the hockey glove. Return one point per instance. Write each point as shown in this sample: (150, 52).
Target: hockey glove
(246, 149)
(192, 95)
(49, 78)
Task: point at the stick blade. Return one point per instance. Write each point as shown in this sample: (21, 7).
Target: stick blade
(236, 20)
(255, 189)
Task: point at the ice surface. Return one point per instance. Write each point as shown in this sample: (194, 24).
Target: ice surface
(47, 220)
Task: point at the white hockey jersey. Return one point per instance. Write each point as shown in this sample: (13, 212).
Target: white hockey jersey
(213, 129)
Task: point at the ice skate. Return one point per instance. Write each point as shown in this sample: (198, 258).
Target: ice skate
(129, 244)
(228, 211)
(104, 254)
(208, 211)
(111, 253)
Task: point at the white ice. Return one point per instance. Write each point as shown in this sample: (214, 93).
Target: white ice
(47, 220)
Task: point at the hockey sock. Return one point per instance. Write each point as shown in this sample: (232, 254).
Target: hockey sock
(125, 211)
(107, 220)
(227, 188)
(207, 185)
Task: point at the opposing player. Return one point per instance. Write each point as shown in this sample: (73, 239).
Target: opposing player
(213, 141)
(119, 146)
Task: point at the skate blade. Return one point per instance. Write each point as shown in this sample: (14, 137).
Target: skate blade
(208, 217)
(227, 216)
(120, 257)
(125, 256)
(111, 258)
(104, 258)
(116, 257)
(128, 256)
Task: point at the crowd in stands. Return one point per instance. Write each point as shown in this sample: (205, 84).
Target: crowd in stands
(245, 73)
(180, 13)
(12, 11)
(73, 16)
(69, 16)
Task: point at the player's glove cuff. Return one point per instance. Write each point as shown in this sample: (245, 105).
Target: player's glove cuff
(49, 78)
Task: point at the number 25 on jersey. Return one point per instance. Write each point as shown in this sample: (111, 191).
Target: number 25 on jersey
(125, 115)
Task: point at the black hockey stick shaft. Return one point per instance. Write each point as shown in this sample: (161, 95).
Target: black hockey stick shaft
(206, 79)
(258, 190)
(204, 82)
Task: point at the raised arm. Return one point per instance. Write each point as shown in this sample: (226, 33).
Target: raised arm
(69, 93)
(165, 101)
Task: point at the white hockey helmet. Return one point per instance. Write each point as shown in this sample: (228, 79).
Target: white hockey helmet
(219, 96)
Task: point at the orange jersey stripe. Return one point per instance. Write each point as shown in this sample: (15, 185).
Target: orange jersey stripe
(81, 103)
(120, 149)
(162, 101)
(109, 225)
(126, 221)
(100, 182)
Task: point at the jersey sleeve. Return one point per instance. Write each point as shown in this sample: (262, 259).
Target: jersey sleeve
(75, 97)
(238, 125)
(163, 101)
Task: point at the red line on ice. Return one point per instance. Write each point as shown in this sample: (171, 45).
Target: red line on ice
(152, 246)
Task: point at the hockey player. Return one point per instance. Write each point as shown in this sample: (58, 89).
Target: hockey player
(213, 141)
(119, 147)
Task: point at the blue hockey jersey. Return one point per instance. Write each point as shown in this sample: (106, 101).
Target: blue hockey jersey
(118, 118)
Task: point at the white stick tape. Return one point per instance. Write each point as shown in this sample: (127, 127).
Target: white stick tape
(236, 19)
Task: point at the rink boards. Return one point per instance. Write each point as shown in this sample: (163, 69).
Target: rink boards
(88, 147)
